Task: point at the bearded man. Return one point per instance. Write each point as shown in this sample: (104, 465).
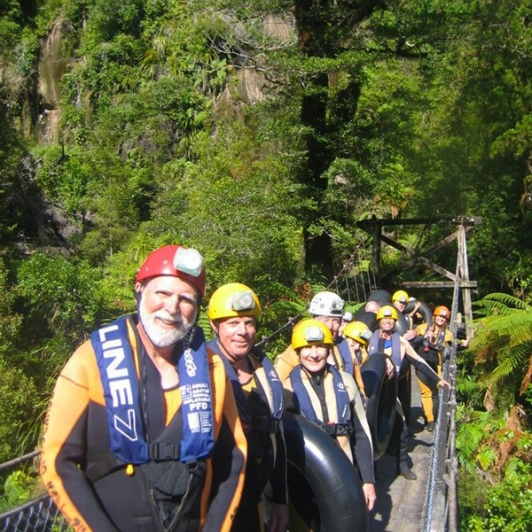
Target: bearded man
(143, 432)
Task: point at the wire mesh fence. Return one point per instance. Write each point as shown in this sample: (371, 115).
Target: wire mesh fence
(39, 514)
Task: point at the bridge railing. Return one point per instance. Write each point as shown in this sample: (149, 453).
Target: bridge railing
(39, 514)
(441, 508)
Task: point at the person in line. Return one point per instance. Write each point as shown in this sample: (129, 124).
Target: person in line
(400, 301)
(385, 340)
(346, 319)
(372, 306)
(430, 342)
(330, 398)
(143, 432)
(357, 335)
(328, 308)
(234, 310)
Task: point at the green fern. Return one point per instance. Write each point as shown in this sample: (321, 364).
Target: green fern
(503, 344)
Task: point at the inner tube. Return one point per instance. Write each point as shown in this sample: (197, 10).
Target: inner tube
(381, 393)
(381, 296)
(369, 318)
(323, 486)
(401, 325)
(423, 310)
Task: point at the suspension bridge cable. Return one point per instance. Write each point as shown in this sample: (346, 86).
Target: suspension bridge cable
(291, 321)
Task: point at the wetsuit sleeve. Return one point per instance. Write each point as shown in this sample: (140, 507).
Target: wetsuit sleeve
(228, 461)
(285, 363)
(63, 447)
(363, 448)
(279, 480)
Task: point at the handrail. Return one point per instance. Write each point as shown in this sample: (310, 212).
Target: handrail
(441, 501)
(38, 514)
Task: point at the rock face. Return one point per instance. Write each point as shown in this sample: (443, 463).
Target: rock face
(53, 63)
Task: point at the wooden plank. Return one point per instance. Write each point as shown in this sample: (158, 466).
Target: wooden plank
(424, 260)
(368, 225)
(438, 284)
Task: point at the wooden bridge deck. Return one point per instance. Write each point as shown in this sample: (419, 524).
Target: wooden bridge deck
(401, 503)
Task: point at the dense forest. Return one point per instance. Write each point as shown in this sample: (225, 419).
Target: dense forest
(260, 132)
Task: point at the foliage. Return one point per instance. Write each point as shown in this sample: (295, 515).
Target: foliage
(496, 444)
(18, 488)
(17, 392)
(261, 132)
(59, 295)
(503, 348)
(499, 452)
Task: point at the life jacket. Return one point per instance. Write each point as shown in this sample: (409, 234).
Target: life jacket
(344, 425)
(345, 353)
(271, 388)
(118, 374)
(438, 346)
(378, 345)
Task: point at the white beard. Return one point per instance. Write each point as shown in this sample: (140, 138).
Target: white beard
(159, 336)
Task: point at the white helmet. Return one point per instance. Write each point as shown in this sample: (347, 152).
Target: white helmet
(327, 304)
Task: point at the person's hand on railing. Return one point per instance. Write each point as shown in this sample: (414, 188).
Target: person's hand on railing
(444, 383)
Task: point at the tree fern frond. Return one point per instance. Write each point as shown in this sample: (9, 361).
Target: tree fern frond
(468, 385)
(468, 439)
(513, 360)
(486, 458)
(506, 300)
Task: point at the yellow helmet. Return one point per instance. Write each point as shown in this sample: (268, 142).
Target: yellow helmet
(358, 331)
(387, 311)
(233, 299)
(401, 296)
(311, 332)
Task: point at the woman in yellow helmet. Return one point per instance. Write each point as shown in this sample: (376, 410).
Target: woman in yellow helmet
(357, 335)
(330, 398)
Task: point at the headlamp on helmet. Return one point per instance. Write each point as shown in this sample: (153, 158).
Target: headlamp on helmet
(243, 301)
(189, 261)
(233, 300)
(358, 331)
(314, 334)
(387, 312)
(174, 261)
(400, 296)
(311, 332)
(442, 311)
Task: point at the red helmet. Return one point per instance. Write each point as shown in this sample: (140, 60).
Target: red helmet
(442, 311)
(177, 261)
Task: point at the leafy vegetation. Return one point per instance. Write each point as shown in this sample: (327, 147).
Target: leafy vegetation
(494, 440)
(261, 132)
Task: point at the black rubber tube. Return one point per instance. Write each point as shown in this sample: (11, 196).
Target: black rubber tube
(323, 485)
(425, 311)
(381, 296)
(401, 325)
(381, 393)
(369, 318)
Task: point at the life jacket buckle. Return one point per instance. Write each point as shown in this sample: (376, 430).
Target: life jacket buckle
(163, 452)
